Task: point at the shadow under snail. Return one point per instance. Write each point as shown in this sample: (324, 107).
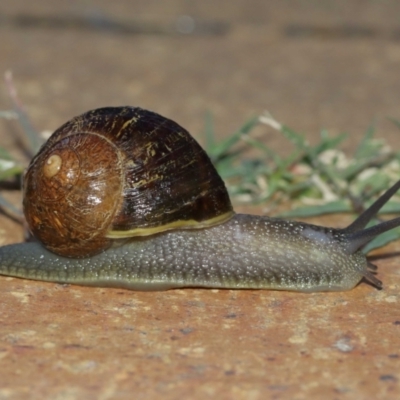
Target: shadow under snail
(124, 197)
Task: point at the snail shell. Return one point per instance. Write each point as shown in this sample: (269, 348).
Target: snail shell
(116, 173)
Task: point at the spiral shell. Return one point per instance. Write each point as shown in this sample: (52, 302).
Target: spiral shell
(117, 173)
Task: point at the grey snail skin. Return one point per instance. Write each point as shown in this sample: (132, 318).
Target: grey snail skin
(123, 197)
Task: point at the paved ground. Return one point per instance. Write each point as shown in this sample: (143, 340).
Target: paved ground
(313, 64)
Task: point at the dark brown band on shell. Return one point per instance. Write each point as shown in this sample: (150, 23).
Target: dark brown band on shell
(166, 177)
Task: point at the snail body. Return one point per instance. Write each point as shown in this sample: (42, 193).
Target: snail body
(163, 219)
(229, 255)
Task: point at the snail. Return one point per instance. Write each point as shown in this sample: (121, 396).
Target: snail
(124, 197)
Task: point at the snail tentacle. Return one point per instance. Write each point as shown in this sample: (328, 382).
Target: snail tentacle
(362, 220)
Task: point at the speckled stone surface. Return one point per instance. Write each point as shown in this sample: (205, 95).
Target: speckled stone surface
(71, 342)
(313, 64)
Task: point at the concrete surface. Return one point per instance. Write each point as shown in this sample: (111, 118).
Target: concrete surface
(313, 64)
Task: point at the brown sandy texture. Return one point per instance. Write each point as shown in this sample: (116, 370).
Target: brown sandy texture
(313, 64)
(68, 342)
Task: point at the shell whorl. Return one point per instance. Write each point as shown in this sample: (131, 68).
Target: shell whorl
(114, 173)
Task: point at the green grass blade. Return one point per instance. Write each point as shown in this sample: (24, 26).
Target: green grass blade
(339, 206)
(363, 149)
(221, 149)
(382, 240)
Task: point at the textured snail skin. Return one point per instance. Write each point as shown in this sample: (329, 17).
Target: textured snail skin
(245, 252)
(170, 222)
